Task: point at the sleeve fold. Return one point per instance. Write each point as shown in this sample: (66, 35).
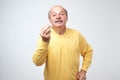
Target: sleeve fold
(40, 53)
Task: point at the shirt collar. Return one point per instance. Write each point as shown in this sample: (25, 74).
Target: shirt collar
(53, 33)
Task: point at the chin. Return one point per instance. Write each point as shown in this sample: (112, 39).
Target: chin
(59, 25)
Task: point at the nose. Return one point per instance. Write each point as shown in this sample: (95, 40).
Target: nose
(58, 16)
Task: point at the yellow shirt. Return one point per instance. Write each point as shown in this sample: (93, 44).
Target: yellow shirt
(62, 55)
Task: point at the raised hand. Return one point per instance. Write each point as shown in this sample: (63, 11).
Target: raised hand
(45, 33)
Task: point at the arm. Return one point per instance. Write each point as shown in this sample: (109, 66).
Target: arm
(86, 52)
(41, 51)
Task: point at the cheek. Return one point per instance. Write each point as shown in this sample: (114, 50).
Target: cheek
(51, 20)
(65, 18)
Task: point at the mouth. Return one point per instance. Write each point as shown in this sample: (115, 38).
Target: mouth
(58, 21)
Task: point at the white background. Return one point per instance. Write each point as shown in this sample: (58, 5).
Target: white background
(20, 23)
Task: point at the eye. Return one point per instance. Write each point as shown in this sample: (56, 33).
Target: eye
(62, 13)
(54, 15)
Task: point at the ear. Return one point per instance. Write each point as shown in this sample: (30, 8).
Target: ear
(67, 18)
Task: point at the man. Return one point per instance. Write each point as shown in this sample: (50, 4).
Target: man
(60, 48)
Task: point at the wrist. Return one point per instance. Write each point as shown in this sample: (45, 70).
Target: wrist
(45, 39)
(83, 71)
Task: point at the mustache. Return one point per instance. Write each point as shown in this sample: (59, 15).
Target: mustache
(58, 21)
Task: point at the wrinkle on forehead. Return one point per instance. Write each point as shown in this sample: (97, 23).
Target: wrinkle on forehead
(59, 7)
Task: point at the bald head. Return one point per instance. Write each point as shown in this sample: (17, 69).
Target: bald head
(57, 6)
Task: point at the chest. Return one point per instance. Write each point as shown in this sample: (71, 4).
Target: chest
(64, 44)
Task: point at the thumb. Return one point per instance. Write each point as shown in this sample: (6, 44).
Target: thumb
(77, 76)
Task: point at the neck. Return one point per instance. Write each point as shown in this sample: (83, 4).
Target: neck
(60, 30)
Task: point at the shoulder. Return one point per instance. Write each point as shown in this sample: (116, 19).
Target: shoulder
(74, 31)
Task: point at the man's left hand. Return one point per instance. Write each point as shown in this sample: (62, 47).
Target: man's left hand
(81, 75)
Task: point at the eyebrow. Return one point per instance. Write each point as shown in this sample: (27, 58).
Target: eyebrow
(60, 12)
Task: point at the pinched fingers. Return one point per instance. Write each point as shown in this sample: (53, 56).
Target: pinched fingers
(45, 31)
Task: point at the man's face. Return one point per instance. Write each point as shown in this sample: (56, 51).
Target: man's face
(58, 17)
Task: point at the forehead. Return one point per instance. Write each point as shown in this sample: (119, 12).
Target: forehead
(57, 9)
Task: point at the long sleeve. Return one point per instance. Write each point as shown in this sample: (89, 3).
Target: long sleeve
(40, 53)
(62, 55)
(86, 52)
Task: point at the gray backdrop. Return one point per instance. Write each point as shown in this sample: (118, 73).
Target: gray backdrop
(20, 23)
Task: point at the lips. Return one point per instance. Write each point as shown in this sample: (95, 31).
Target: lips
(57, 21)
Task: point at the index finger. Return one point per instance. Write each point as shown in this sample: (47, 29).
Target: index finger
(46, 27)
